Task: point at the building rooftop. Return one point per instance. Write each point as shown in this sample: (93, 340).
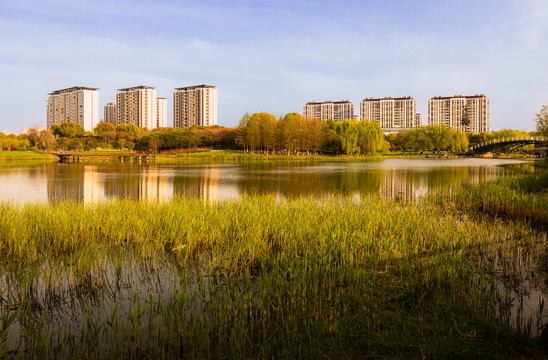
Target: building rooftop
(137, 88)
(196, 87)
(328, 102)
(389, 98)
(458, 96)
(71, 89)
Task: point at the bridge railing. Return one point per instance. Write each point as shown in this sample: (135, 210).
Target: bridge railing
(509, 140)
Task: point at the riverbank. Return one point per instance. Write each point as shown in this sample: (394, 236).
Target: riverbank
(225, 155)
(382, 280)
(25, 155)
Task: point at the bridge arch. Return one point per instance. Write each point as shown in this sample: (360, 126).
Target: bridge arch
(506, 144)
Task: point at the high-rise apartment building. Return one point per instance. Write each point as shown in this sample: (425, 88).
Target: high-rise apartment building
(137, 105)
(79, 105)
(465, 113)
(161, 113)
(418, 120)
(110, 114)
(392, 114)
(195, 105)
(329, 110)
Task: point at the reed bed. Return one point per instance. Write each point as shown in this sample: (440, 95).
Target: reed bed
(523, 198)
(258, 278)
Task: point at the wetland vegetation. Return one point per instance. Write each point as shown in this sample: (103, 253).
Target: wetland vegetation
(263, 277)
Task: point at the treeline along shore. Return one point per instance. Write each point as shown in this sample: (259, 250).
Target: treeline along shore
(262, 277)
(257, 133)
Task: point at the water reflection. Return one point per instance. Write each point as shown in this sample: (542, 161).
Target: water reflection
(402, 179)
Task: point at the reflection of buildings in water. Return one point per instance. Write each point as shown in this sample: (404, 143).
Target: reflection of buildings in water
(205, 185)
(91, 184)
(73, 182)
(137, 183)
(154, 187)
(403, 184)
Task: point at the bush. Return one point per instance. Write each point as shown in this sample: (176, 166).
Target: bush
(5, 148)
(13, 148)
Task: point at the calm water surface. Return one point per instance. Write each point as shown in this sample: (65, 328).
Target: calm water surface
(401, 178)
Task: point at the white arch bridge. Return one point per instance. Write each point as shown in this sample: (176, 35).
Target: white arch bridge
(508, 145)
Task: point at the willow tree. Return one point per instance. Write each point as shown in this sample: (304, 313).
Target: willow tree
(348, 133)
(371, 139)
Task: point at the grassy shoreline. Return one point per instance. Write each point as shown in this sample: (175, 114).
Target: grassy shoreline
(223, 155)
(25, 155)
(341, 279)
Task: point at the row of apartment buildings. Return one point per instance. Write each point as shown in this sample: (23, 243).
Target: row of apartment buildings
(465, 113)
(139, 105)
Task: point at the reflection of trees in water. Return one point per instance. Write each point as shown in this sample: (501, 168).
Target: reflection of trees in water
(204, 186)
(219, 181)
(73, 182)
(135, 182)
(364, 183)
(33, 169)
(65, 182)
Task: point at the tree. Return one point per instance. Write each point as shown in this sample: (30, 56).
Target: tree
(253, 133)
(289, 130)
(68, 129)
(371, 137)
(317, 130)
(542, 120)
(417, 140)
(130, 132)
(47, 140)
(267, 123)
(241, 132)
(102, 128)
(34, 136)
(348, 132)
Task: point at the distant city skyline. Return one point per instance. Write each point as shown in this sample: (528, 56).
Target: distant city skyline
(274, 56)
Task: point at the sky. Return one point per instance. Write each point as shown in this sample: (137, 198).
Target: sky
(276, 55)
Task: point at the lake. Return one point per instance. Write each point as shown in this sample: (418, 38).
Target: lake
(398, 178)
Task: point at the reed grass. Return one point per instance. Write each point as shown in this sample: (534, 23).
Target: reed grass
(522, 198)
(257, 278)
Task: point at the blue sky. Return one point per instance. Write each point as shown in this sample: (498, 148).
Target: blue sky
(274, 56)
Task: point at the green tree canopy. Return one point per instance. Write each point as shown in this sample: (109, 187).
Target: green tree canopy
(103, 127)
(68, 129)
(131, 131)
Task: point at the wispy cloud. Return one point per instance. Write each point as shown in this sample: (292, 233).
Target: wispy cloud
(276, 55)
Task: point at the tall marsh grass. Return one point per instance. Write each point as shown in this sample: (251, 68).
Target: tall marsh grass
(254, 278)
(522, 198)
